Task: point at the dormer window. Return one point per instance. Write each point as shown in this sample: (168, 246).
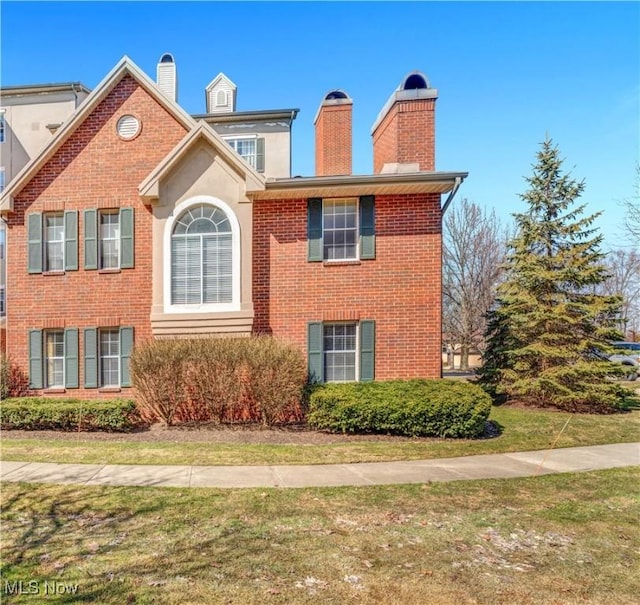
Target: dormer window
(221, 98)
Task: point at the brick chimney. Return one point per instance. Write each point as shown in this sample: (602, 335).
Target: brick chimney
(333, 134)
(404, 132)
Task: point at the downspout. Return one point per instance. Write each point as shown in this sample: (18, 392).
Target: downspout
(291, 142)
(456, 186)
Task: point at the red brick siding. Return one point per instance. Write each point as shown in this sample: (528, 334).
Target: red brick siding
(333, 140)
(94, 168)
(400, 289)
(406, 135)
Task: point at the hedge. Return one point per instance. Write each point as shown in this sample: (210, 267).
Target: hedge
(425, 408)
(222, 380)
(40, 413)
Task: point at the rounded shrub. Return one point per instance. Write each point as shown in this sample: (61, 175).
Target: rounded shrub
(416, 408)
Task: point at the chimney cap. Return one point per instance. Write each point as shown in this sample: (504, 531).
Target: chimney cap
(336, 94)
(167, 58)
(414, 85)
(333, 97)
(414, 80)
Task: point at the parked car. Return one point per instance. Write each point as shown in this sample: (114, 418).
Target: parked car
(630, 349)
(625, 360)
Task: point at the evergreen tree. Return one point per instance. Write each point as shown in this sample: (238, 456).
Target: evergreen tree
(549, 315)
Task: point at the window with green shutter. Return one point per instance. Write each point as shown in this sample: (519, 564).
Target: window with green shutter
(52, 241)
(71, 378)
(34, 236)
(315, 352)
(36, 379)
(341, 229)
(127, 248)
(341, 351)
(71, 240)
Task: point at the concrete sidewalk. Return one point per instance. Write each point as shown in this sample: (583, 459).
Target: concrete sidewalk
(491, 466)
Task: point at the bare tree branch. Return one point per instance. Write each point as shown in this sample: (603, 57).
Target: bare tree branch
(473, 253)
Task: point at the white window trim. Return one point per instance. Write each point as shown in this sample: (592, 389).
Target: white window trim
(234, 305)
(101, 240)
(47, 358)
(100, 357)
(357, 351)
(46, 241)
(357, 255)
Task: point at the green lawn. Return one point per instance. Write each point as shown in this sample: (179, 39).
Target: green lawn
(521, 430)
(568, 539)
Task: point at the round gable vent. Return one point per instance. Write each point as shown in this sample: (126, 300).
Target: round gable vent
(128, 127)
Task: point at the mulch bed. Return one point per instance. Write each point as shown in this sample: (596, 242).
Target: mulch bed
(234, 434)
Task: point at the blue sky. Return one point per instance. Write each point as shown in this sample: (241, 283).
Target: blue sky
(508, 73)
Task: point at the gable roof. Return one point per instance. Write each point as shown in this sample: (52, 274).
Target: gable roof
(218, 78)
(123, 68)
(149, 189)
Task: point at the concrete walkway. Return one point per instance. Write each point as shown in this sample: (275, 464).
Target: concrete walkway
(491, 466)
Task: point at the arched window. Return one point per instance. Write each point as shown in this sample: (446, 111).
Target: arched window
(221, 98)
(202, 257)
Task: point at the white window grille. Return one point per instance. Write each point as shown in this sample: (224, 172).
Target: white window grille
(201, 257)
(54, 242)
(54, 361)
(109, 240)
(109, 357)
(340, 229)
(340, 346)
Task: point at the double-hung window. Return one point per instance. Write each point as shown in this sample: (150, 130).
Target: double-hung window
(251, 149)
(52, 241)
(340, 346)
(341, 351)
(2, 180)
(109, 239)
(106, 357)
(54, 359)
(2, 126)
(109, 350)
(341, 229)
(109, 244)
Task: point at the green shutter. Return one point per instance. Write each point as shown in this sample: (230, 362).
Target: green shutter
(90, 239)
(314, 229)
(367, 227)
(34, 228)
(126, 238)
(315, 351)
(71, 380)
(35, 359)
(91, 358)
(260, 154)
(71, 240)
(367, 350)
(126, 345)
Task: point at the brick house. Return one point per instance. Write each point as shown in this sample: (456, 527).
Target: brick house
(139, 221)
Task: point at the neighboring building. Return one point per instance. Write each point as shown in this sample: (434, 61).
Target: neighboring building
(29, 115)
(140, 221)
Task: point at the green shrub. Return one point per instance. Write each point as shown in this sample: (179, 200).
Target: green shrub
(40, 413)
(427, 408)
(256, 379)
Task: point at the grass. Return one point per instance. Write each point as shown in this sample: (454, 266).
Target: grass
(567, 539)
(521, 429)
